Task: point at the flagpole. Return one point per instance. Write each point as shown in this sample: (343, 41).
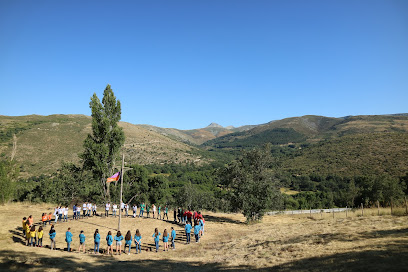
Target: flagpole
(121, 188)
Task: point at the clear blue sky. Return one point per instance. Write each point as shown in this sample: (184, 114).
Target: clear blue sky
(185, 64)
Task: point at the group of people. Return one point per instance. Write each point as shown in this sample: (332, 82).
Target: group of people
(34, 237)
(155, 210)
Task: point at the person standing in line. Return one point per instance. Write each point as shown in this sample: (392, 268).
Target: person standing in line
(118, 238)
(142, 206)
(84, 206)
(68, 239)
(173, 238)
(188, 232)
(127, 210)
(175, 215)
(89, 206)
(114, 209)
(78, 212)
(94, 210)
(33, 241)
(147, 211)
(49, 217)
(66, 214)
(197, 231)
(165, 240)
(40, 234)
(138, 241)
(122, 207)
(154, 211)
(156, 236)
(107, 208)
(128, 242)
(109, 241)
(52, 235)
(44, 219)
(159, 212)
(61, 210)
(81, 242)
(134, 211)
(74, 210)
(166, 211)
(56, 215)
(97, 241)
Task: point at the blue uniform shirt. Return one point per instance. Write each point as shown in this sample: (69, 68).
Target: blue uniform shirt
(188, 228)
(109, 240)
(97, 238)
(82, 238)
(173, 235)
(68, 237)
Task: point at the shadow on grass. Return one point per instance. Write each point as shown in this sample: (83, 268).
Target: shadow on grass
(221, 219)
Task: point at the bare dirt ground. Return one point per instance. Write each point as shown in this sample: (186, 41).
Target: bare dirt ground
(279, 243)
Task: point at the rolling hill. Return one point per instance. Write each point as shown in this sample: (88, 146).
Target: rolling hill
(43, 142)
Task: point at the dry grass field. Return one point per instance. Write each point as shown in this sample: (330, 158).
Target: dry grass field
(279, 243)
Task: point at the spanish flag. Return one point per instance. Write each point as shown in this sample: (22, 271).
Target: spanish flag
(115, 177)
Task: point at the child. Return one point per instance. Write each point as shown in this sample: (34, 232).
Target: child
(147, 211)
(156, 236)
(30, 220)
(142, 206)
(78, 212)
(97, 241)
(134, 211)
(127, 210)
(56, 215)
(118, 239)
(94, 210)
(114, 209)
(201, 222)
(138, 241)
(52, 235)
(81, 241)
(68, 239)
(27, 231)
(188, 231)
(109, 241)
(107, 208)
(24, 225)
(44, 219)
(154, 211)
(165, 240)
(158, 212)
(166, 210)
(128, 241)
(49, 218)
(40, 234)
(65, 214)
(197, 229)
(32, 236)
(74, 209)
(173, 237)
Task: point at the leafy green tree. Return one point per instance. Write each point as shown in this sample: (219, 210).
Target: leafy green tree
(253, 183)
(103, 145)
(8, 176)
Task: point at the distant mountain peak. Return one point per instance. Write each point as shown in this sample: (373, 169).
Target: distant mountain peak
(230, 127)
(214, 125)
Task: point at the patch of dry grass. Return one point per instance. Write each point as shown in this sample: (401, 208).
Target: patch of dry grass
(281, 242)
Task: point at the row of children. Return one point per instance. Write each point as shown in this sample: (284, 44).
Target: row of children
(33, 237)
(118, 238)
(125, 208)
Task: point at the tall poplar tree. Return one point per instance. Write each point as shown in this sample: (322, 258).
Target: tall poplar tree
(106, 139)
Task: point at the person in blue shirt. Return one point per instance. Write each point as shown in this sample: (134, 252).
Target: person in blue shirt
(188, 231)
(201, 221)
(156, 236)
(74, 209)
(138, 241)
(52, 234)
(173, 237)
(197, 229)
(97, 241)
(128, 241)
(166, 240)
(81, 241)
(109, 241)
(118, 238)
(68, 239)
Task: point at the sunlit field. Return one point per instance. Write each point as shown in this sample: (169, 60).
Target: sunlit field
(281, 242)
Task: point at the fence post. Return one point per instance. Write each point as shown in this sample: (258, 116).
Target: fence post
(378, 207)
(362, 209)
(391, 206)
(346, 211)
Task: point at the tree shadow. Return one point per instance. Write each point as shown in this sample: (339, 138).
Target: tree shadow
(221, 219)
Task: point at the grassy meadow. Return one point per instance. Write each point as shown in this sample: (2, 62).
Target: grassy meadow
(279, 243)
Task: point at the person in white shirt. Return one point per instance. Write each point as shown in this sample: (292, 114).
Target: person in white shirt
(56, 215)
(127, 210)
(114, 209)
(84, 209)
(122, 206)
(134, 210)
(107, 208)
(78, 212)
(89, 206)
(66, 214)
(60, 213)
